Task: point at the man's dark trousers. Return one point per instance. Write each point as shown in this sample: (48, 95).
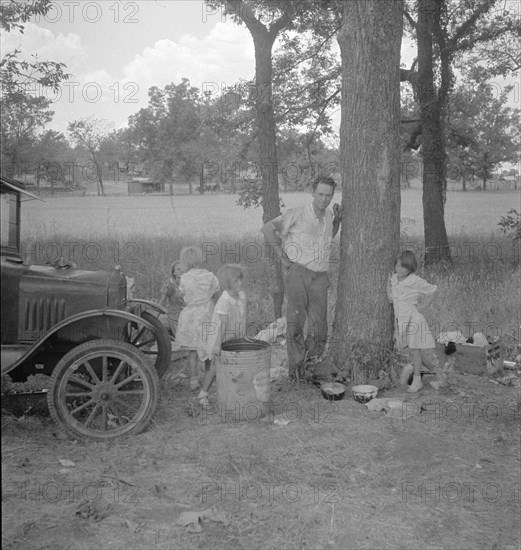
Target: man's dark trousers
(306, 292)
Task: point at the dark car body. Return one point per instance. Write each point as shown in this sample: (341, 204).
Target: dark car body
(49, 309)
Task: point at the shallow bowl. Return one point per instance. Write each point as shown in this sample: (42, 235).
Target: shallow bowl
(364, 393)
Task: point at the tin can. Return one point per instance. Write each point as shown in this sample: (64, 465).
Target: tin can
(509, 364)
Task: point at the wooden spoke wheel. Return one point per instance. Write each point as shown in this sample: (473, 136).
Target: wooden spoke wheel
(155, 344)
(103, 389)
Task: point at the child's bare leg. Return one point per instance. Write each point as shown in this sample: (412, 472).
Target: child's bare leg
(192, 363)
(201, 372)
(407, 370)
(417, 377)
(209, 378)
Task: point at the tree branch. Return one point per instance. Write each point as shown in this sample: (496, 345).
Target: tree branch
(465, 27)
(516, 61)
(312, 54)
(326, 103)
(486, 36)
(410, 76)
(412, 144)
(245, 13)
(281, 22)
(411, 21)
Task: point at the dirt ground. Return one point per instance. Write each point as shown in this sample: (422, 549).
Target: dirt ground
(444, 472)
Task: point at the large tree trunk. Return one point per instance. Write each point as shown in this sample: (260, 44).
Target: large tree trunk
(370, 41)
(433, 142)
(263, 42)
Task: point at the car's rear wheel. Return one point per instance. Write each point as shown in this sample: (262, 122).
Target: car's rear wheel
(155, 344)
(103, 389)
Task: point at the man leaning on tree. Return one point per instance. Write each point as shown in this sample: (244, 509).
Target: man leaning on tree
(301, 238)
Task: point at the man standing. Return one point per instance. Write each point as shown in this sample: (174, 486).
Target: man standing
(302, 239)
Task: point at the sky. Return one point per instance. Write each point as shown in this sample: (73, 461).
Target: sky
(116, 50)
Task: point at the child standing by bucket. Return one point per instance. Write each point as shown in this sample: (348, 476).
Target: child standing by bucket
(228, 322)
(197, 286)
(171, 298)
(412, 333)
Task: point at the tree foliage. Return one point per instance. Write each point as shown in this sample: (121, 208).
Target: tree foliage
(15, 13)
(90, 133)
(23, 116)
(48, 153)
(25, 110)
(483, 130)
(182, 134)
(20, 75)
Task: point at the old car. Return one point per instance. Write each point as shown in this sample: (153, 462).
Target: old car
(104, 353)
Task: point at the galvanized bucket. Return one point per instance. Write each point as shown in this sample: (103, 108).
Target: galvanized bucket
(243, 380)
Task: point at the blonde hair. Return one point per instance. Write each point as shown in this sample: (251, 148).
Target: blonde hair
(227, 274)
(191, 257)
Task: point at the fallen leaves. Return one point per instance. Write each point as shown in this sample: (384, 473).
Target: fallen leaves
(193, 520)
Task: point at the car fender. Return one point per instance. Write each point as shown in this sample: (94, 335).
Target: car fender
(153, 305)
(97, 313)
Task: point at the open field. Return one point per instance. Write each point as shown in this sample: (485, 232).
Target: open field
(441, 475)
(145, 234)
(472, 213)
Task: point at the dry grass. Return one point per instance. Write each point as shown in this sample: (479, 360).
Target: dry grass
(336, 477)
(471, 213)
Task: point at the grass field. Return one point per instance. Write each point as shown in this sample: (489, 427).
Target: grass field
(443, 474)
(145, 234)
(471, 213)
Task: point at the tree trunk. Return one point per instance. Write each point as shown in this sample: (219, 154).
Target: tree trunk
(370, 154)
(433, 143)
(99, 173)
(100, 179)
(263, 42)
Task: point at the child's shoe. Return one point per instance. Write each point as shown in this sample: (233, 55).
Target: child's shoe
(195, 384)
(203, 399)
(416, 385)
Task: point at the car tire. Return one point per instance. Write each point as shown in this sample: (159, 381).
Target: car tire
(103, 389)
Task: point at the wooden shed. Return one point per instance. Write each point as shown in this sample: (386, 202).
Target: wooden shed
(143, 186)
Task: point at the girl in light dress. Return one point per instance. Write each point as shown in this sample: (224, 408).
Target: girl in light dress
(228, 322)
(197, 286)
(412, 333)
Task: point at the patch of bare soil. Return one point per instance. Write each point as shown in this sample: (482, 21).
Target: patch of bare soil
(445, 473)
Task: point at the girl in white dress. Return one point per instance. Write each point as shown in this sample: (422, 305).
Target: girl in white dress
(412, 333)
(197, 286)
(228, 322)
